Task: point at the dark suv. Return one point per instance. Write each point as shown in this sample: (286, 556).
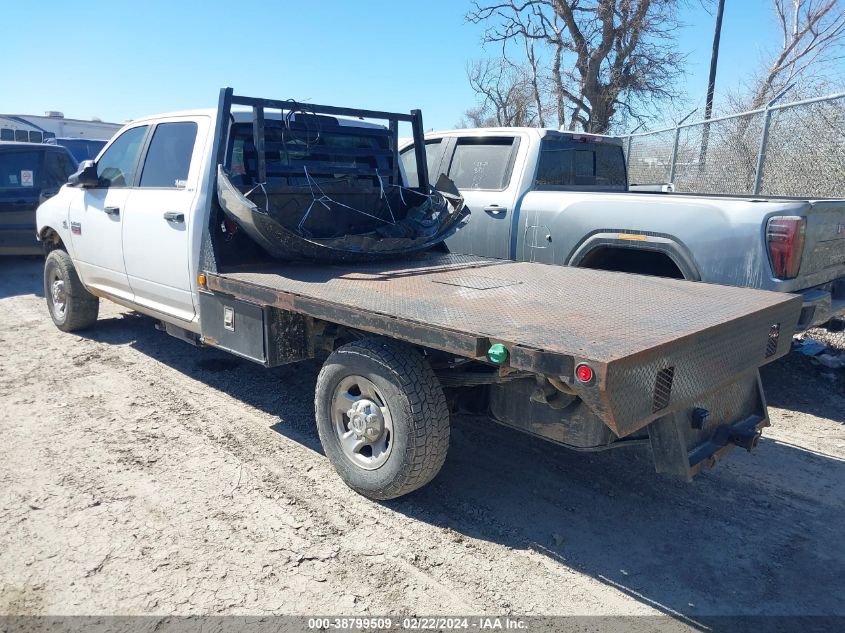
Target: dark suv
(29, 173)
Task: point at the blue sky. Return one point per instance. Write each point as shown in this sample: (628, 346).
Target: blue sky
(120, 60)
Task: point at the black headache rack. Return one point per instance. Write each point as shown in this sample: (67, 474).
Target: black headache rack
(305, 185)
(307, 111)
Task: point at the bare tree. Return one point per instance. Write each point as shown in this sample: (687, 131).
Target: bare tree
(609, 58)
(509, 96)
(813, 35)
(534, 80)
(478, 116)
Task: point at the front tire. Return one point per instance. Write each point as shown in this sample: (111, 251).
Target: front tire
(382, 418)
(71, 306)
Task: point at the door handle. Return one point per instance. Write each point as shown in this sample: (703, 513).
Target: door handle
(174, 217)
(495, 209)
(113, 211)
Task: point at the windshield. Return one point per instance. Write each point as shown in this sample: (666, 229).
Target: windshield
(574, 164)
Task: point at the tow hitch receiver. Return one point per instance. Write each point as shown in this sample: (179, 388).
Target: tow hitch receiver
(745, 438)
(685, 442)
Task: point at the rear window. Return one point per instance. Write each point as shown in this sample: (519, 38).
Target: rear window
(325, 149)
(570, 164)
(482, 163)
(20, 169)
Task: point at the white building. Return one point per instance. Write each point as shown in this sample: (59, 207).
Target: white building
(36, 129)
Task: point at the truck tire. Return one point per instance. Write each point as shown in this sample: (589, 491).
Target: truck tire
(382, 417)
(71, 306)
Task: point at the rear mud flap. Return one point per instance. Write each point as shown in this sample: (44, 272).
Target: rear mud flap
(685, 442)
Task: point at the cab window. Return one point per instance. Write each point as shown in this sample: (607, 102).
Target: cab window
(433, 153)
(483, 163)
(567, 163)
(168, 160)
(116, 167)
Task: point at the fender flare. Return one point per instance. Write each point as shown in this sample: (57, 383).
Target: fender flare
(638, 240)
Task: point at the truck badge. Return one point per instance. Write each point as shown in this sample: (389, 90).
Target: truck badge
(76, 228)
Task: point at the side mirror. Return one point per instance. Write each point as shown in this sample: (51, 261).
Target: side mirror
(86, 176)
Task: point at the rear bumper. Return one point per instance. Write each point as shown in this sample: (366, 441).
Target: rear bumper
(821, 304)
(685, 443)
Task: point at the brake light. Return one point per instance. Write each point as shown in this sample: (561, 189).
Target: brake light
(584, 373)
(586, 138)
(785, 238)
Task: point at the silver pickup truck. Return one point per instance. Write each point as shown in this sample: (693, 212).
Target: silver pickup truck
(563, 198)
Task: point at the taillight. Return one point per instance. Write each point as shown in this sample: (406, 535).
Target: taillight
(785, 238)
(584, 373)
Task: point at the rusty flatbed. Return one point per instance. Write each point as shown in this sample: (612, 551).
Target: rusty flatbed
(550, 318)
(589, 359)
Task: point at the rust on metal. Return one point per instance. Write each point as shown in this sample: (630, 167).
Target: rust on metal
(626, 327)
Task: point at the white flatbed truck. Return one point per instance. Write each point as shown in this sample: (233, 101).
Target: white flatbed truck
(586, 358)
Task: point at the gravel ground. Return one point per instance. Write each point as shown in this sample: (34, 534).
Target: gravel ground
(141, 476)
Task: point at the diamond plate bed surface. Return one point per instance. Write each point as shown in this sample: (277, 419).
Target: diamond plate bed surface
(596, 314)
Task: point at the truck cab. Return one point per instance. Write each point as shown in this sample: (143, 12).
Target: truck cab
(144, 193)
(494, 168)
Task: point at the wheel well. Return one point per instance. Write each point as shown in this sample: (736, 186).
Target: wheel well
(631, 260)
(51, 240)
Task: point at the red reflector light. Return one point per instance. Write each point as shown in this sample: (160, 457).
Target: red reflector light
(584, 373)
(785, 239)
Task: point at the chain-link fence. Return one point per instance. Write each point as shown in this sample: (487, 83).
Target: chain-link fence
(794, 149)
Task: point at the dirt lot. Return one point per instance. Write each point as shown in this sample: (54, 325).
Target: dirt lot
(141, 476)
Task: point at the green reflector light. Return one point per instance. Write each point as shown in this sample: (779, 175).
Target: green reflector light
(497, 353)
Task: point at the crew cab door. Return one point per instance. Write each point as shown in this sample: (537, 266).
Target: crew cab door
(482, 168)
(157, 220)
(95, 215)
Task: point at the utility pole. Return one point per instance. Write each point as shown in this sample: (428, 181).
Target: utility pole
(714, 60)
(711, 84)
